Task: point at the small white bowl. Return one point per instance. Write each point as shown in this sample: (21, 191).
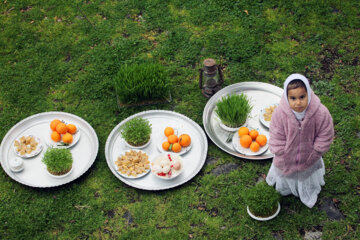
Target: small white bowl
(229, 129)
(60, 176)
(137, 147)
(263, 218)
(174, 172)
(16, 164)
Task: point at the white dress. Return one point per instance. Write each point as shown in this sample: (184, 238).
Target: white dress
(305, 184)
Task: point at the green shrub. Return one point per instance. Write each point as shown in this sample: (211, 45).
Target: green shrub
(233, 110)
(136, 131)
(58, 160)
(262, 199)
(139, 82)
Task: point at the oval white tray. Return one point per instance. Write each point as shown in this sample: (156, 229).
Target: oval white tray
(159, 119)
(260, 95)
(34, 174)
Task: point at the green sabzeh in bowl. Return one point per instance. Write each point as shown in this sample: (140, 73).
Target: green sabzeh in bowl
(58, 161)
(136, 132)
(233, 110)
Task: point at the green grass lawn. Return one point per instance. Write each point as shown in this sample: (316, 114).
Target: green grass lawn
(64, 55)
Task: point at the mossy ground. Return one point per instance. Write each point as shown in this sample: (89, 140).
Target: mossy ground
(63, 55)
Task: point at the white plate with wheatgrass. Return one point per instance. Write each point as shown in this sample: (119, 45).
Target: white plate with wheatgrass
(266, 114)
(84, 154)
(132, 164)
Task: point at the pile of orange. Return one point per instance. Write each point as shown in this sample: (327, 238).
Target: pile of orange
(175, 143)
(251, 139)
(62, 131)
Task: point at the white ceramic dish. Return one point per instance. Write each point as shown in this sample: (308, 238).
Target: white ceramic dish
(261, 218)
(16, 164)
(59, 176)
(127, 176)
(34, 174)
(38, 149)
(138, 147)
(261, 115)
(163, 139)
(174, 173)
(61, 144)
(246, 151)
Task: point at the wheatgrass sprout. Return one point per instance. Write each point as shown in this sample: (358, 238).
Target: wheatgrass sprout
(136, 131)
(58, 160)
(233, 110)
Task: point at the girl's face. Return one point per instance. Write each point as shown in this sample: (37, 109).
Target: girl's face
(298, 99)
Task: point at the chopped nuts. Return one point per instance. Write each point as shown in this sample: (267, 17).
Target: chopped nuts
(133, 163)
(25, 145)
(268, 113)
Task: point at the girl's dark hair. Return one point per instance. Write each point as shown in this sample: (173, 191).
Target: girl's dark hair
(296, 83)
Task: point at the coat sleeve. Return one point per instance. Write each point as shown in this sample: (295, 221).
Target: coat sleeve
(325, 133)
(277, 139)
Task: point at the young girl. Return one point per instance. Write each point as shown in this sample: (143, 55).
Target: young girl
(301, 130)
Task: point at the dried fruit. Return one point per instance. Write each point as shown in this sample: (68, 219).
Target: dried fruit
(243, 131)
(261, 140)
(168, 131)
(55, 136)
(245, 141)
(184, 140)
(253, 134)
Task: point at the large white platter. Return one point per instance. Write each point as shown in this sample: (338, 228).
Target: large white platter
(34, 173)
(260, 95)
(159, 119)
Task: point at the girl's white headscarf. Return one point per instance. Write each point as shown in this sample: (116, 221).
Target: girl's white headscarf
(299, 116)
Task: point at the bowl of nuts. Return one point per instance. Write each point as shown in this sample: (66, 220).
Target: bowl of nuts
(132, 164)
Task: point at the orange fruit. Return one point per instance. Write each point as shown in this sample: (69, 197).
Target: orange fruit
(254, 147)
(67, 138)
(261, 140)
(243, 131)
(184, 140)
(253, 134)
(176, 147)
(165, 146)
(245, 141)
(54, 123)
(168, 131)
(172, 138)
(61, 128)
(71, 128)
(55, 136)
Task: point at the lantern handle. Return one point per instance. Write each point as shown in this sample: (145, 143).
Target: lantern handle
(221, 75)
(200, 77)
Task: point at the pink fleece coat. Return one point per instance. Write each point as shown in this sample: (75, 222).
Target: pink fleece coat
(298, 145)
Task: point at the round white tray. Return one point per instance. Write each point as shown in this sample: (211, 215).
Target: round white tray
(34, 174)
(260, 95)
(159, 119)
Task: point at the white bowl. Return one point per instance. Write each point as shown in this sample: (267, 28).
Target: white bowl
(138, 147)
(263, 218)
(16, 164)
(174, 173)
(60, 176)
(229, 129)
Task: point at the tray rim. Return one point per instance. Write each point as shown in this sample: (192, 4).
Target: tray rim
(210, 105)
(7, 135)
(125, 181)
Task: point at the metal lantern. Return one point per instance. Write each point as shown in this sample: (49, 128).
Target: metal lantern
(210, 78)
